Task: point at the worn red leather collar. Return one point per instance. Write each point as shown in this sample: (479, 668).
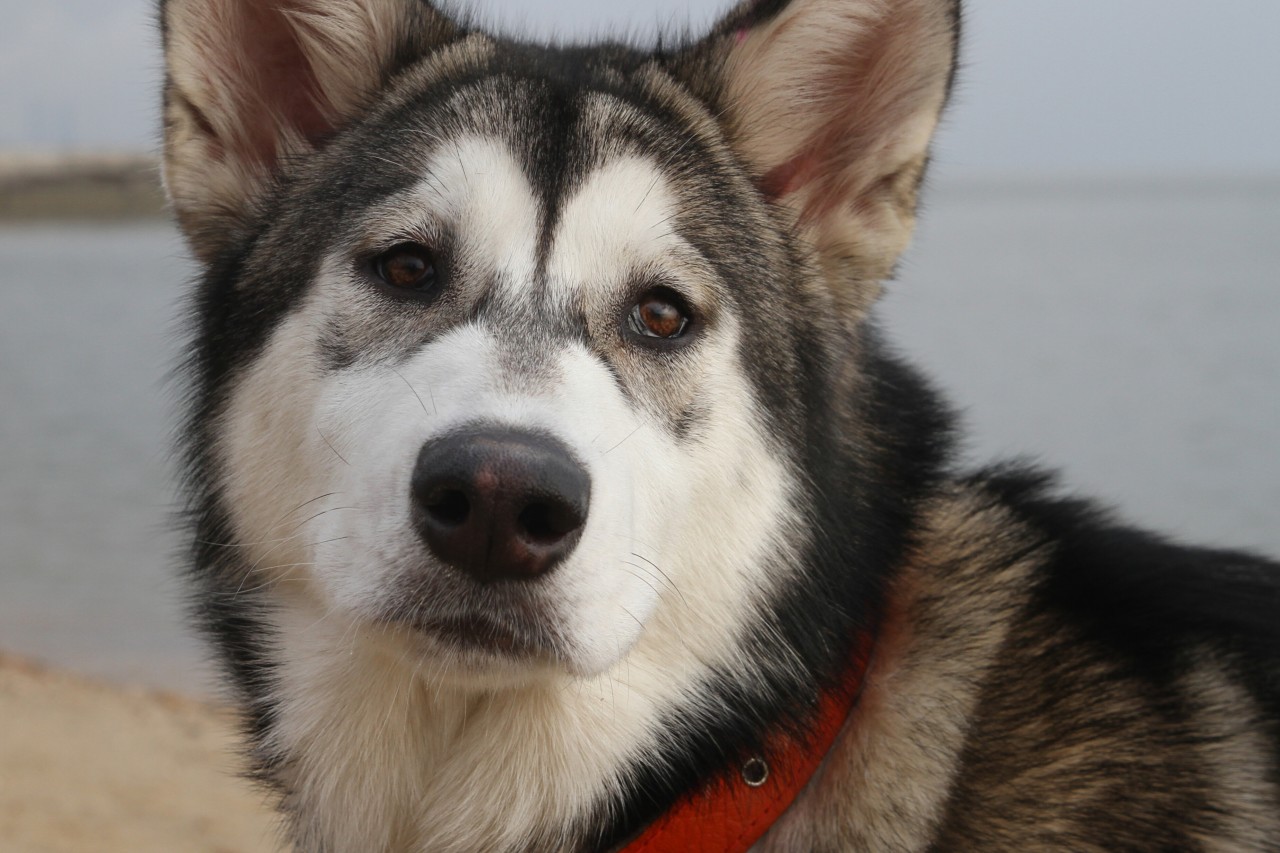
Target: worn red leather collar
(730, 815)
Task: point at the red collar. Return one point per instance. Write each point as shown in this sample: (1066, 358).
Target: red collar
(730, 815)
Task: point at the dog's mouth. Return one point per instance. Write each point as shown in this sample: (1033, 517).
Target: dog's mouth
(480, 633)
(477, 632)
(443, 616)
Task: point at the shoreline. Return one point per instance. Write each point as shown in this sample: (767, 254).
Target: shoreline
(89, 765)
(61, 187)
(125, 186)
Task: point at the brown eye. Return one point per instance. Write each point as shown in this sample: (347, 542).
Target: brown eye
(660, 313)
(408, 266)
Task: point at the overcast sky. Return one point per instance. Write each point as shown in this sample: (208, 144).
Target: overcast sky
(1050, 86)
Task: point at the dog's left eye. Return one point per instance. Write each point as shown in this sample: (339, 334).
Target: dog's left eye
(408, 266)
(660, 313)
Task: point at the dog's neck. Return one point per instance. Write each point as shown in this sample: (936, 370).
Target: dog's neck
(378, 755)
(731, 811)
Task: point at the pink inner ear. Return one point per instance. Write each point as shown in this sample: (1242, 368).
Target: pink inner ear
(742, 35)
(814, 170)
(787, 177)
(282, 90)
(834, 119)
(808, 169)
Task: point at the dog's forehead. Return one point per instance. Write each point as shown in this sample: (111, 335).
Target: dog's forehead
(558, 110)
(616, 217)
(538, 182)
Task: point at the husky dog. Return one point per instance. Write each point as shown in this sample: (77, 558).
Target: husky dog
(549, 480)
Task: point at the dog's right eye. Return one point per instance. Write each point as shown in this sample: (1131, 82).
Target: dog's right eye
(408, 267)
(660, 316)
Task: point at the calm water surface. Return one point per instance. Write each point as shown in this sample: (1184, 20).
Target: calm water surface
(1129, 335)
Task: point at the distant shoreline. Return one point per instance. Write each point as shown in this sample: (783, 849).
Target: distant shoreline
(42, 187)
(125, 186)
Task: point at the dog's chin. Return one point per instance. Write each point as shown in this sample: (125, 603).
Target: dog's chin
(477, 651)
(498, 635)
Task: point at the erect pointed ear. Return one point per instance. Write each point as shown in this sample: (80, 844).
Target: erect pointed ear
(832, 104)
(254, 83)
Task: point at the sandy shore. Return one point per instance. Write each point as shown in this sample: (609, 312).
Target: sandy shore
(87, 766)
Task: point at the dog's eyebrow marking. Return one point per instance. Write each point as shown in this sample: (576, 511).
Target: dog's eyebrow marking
(476, 186)
(619, 219)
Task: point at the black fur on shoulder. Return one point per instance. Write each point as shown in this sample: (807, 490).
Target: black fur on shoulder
(1145, 596)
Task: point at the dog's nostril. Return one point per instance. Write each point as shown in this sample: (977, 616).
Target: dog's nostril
(547, 522)
(449, 507)
(499, 504)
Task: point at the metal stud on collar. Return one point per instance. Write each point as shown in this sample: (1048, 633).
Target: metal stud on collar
(755, 772)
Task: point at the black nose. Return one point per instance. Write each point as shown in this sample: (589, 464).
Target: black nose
(499, 504)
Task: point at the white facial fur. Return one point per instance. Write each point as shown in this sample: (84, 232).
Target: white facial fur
(398, 730)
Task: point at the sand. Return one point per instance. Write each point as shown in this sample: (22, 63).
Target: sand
(86, 766)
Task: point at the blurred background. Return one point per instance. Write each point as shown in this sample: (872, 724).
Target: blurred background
(1094, 282)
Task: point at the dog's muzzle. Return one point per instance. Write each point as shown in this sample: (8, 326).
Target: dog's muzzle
(499, 504)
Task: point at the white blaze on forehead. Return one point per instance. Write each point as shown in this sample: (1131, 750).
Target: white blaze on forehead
(620, 219)
(478, 189)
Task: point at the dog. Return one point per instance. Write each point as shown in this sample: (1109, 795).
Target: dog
(551, 488)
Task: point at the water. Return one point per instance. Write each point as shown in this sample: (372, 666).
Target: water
(1127, 334)
(87, 316)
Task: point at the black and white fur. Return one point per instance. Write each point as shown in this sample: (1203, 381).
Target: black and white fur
(761, 490)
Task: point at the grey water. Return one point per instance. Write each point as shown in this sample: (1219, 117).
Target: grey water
(1126, 333)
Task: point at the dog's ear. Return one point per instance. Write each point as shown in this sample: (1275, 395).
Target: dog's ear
(252, 84)
(832, 105)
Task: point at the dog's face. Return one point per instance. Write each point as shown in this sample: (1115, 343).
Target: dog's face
(527, 402)
(504, 345)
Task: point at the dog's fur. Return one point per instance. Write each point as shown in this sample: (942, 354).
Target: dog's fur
(762, 490)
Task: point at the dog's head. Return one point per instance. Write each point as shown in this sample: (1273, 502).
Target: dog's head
(514, 357)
